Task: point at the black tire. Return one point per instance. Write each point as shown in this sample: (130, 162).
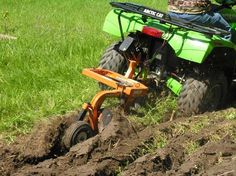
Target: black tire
(201, 95)
(77, 132)
(113, 60)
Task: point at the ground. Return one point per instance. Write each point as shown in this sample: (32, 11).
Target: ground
(200, 145)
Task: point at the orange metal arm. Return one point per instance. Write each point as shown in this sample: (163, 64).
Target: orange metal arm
(96, 103)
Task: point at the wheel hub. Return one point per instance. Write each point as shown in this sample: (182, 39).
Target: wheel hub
(82, 136)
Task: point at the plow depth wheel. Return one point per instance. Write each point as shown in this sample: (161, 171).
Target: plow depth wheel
(78, 132)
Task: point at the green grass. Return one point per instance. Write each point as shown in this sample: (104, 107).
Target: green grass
(40, 72)
(191, 147)
(153, 114)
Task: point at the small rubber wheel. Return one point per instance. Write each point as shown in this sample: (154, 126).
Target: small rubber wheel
(77, 132)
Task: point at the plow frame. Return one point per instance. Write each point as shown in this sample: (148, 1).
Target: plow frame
(123, 87)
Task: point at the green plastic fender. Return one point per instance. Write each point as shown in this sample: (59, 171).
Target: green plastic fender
(188, 45)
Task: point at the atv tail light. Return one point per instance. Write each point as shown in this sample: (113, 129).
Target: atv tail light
(152, 32)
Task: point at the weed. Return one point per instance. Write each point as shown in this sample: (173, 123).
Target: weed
(231, 115)
(196, 127)
(159, 141)
(223, 131)
(180, 128)
(215, 138)
(155, 114)
(191, 147)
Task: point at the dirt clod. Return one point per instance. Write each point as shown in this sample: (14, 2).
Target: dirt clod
(201, 145)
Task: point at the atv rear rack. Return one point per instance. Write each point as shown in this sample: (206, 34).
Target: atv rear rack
(165, 18)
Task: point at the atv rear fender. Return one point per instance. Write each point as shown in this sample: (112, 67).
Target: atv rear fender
(189, 45)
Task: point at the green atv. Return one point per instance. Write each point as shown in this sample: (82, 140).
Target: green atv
(192, 60)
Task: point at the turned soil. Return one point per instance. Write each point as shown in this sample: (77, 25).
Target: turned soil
(200, 145)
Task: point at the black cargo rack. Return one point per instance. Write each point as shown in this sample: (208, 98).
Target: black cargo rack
(165, 18)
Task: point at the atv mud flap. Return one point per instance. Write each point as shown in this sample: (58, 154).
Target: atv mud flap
(174, 85)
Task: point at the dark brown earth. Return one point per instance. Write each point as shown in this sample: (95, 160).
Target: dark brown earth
(200, 145)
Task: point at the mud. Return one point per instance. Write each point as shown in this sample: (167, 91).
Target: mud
(200, 145)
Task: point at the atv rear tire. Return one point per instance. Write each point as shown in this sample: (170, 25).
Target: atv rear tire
(201, 95)
(113, 60)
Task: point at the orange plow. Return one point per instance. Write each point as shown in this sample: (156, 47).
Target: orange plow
(123, 87)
